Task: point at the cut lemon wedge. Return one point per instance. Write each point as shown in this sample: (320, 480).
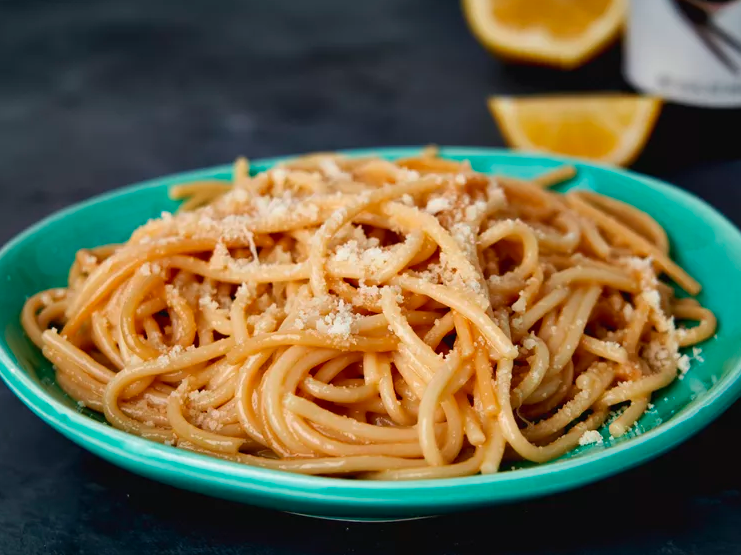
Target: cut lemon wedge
(562, 33)
(606, 128)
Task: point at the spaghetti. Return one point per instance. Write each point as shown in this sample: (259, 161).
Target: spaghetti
(385, 320)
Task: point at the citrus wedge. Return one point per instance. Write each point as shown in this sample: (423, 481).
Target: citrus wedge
(563, 33)
(611, 129)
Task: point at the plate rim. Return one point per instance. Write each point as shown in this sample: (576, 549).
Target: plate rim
(326, 492)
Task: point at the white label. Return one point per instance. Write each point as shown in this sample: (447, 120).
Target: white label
(688, 51)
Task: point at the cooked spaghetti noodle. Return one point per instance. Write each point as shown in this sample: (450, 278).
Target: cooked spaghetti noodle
(385, 320)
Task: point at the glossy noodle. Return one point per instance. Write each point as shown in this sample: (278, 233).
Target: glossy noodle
(382, 320)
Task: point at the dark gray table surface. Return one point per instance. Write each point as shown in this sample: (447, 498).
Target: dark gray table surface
(98, 94)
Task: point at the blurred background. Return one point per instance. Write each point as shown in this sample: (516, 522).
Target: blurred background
(97, 94)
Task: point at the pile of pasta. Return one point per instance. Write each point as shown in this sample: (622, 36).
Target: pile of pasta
(376, 319)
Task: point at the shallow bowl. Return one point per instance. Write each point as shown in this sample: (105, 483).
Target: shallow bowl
(702, 240)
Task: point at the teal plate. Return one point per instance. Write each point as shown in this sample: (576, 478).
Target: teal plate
(703, 242)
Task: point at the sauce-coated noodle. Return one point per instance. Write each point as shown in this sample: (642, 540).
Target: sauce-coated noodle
(386, 320)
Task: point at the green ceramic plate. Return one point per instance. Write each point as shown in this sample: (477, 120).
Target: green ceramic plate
(702, 240)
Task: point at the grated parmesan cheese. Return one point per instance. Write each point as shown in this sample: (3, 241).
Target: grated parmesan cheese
(590, 437)
(369, 294)
(658, 355)
(520, 305)
(347, 252)
(638, 263)
(683, 364)
(373, 258)
(408, 175)
(165, 359)
(239, 194)
(652, 298)
(220, 258)
(272, 206)
(338, 323)
(529, 343)
(475, 210)
(438, 204)
(207, 303)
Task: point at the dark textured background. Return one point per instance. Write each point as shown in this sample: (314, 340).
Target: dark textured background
(98, 94)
